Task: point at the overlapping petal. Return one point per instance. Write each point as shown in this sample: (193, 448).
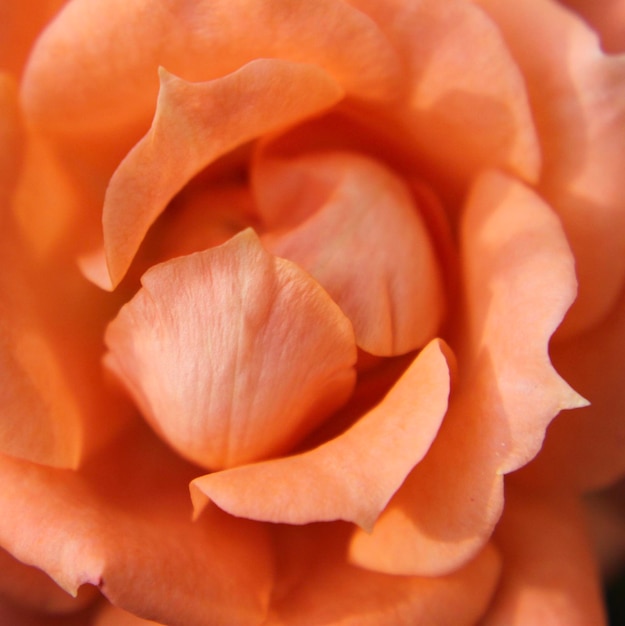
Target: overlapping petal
(519, 280)
(317, 586)
(462, 116)
(233, 354)
(110, 79)
(577, 96)
(355, 227)
(549, 572)
(126, 528)
(351, 477)
(194, 124)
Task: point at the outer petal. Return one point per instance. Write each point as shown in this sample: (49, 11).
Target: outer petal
(317, 587)
(109, 82)
(579, 102)
(518, 275)
(353, 476)
(585, 448)
(549, 573)
(233, 354)
(126, 528)
(464, 114)
(364, 241)
(194, 124)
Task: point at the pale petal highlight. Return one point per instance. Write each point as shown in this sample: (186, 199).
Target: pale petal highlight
(233, 354)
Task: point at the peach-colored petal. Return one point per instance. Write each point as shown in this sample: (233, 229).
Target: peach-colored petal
(20, 23)
(519, 281)
(109, 82)
(14, 615)
(578, 98)
(464, 113)
(585, 447)
(110, 615)
(10, 140)
(351, 477)
(361, 236)
(233, 354)
(549, 576)
(126, 528)
(607, 18)
(194, 124)
(316, 586)
(28, 587)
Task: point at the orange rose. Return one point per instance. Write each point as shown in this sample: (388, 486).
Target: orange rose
(333, 242)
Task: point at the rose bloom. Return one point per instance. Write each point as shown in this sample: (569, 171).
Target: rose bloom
(313, 311)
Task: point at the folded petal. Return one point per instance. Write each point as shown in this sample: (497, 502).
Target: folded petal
(126, 528)
(549, 571)
(109, 82)
(362, 237)
(519, 281)
(577, 94)
(194, 124)
(464, 114)
(607, 18)
(351, 477)
(233, 354)
(317, 586)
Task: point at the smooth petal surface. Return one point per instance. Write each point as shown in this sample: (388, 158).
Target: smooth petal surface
(194, 124)
(317, 587)
(584, 448)
(607, 18)
(110, 79)
(20, 23)
(233, 354)
(364, 241)
(125, 527)
(514, 254)
(464, 116)
(577, 95)
(549, 573)
(351, 477)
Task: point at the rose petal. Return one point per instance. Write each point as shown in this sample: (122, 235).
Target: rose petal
(464, 114)
(317, 586)
(519, 281)
(11, 137)
(585, 448)
(111, 615)
(194, 124)
(365, 242)
(351, 477)
(109, 82)
(20, 24)
(30, 588)
(233, 354)
(577, 95)
(607, 18)
(549, 573)
(126, 528)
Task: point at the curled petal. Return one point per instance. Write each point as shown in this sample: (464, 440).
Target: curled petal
(194, 124)
(519, 280)
(540, 540)
(351, 477)
(233, 354)
(126, 529)
(118, 46)
(365, 242)
(577, 95)
(607, 18)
